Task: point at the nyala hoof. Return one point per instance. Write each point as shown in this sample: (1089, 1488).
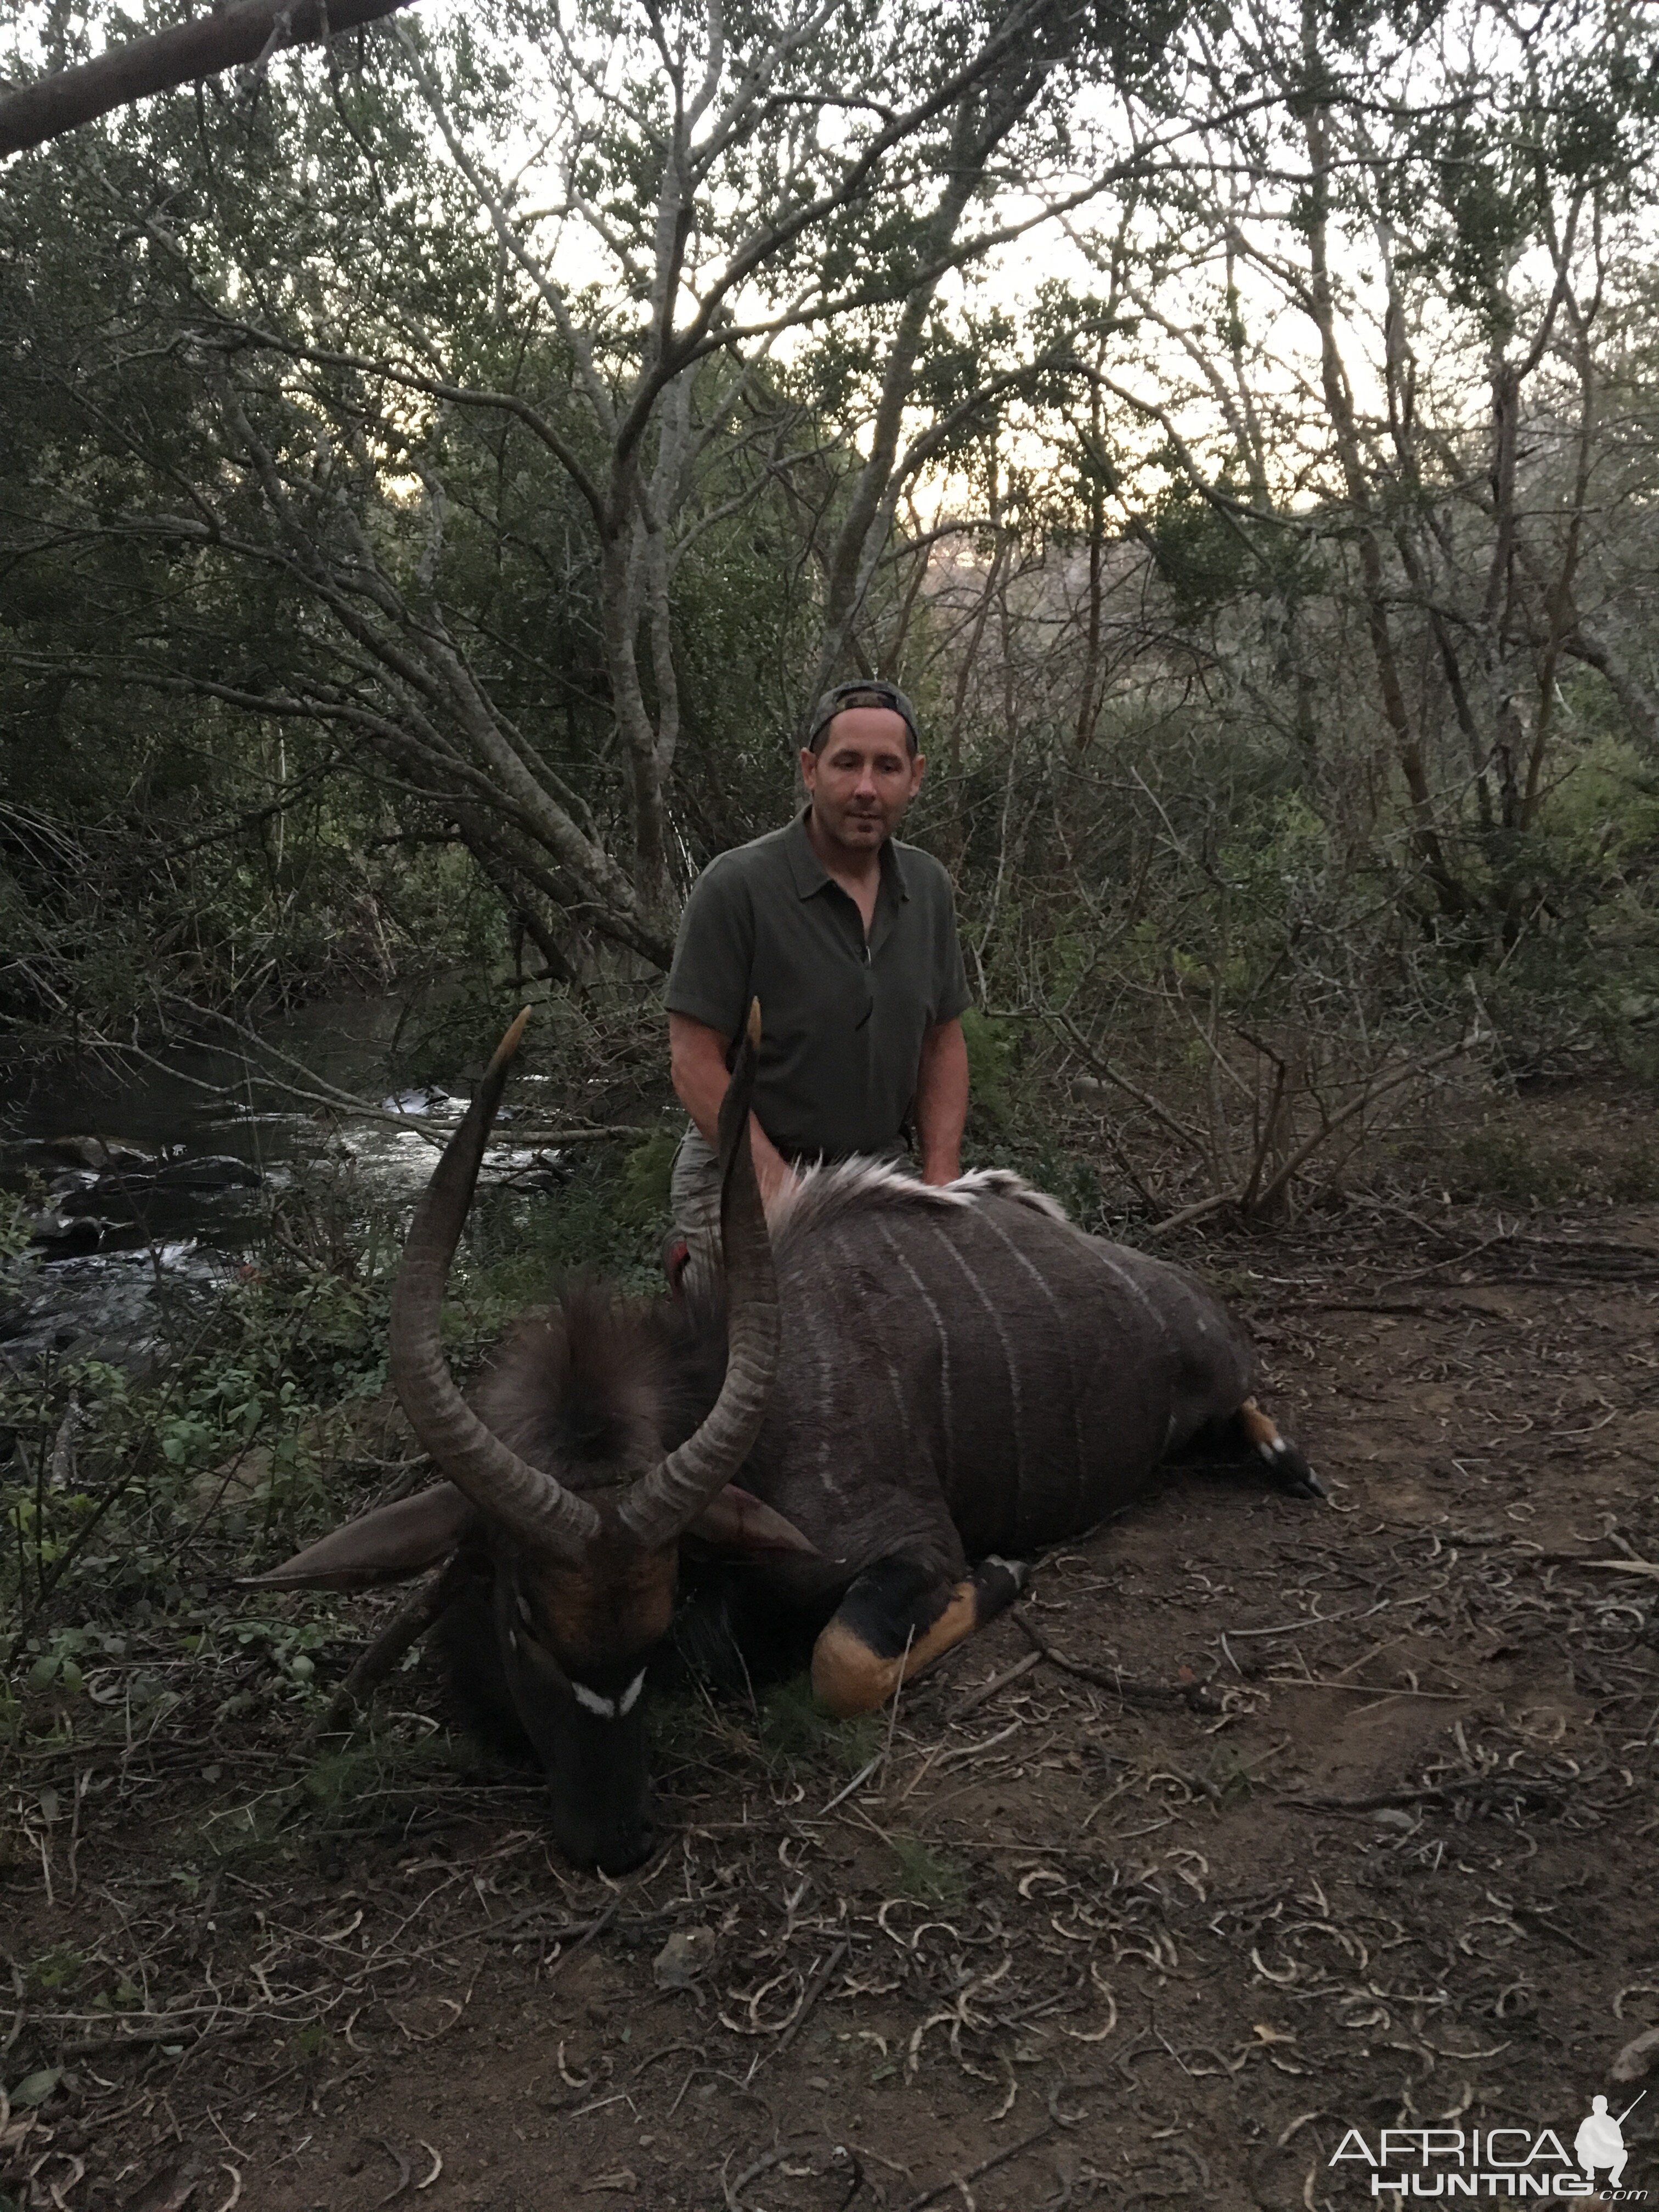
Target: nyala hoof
(1288, 1471)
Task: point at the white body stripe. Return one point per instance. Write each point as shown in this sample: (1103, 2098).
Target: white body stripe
(845, 1266)
(943, 1346)
(1015, 1394)
(1065, 1335)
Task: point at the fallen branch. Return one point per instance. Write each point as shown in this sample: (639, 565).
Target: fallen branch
(1472, 1785)
(1359, 1689)
(1649, 1568)
(406, 1626)
(997, 2158)
(1199, 1211)
(136, 2039)
(815, 1988)
(987, 1691)
(1194, 1697)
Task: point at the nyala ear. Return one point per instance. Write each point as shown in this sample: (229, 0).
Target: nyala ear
(386, 1546)
(737, 1521)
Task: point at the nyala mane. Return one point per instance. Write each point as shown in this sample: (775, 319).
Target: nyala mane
(821, 1195)
(601, 1382)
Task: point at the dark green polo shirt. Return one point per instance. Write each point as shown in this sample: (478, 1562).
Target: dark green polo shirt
(842, 1020)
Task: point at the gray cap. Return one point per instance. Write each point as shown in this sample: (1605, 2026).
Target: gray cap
(872, 691)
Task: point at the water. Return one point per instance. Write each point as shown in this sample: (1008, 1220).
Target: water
(151, 1185)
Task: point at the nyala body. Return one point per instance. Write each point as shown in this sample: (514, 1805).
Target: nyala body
(905, 1391)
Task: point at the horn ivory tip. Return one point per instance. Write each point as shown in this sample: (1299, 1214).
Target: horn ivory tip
(509, 1044)
(754, 1022)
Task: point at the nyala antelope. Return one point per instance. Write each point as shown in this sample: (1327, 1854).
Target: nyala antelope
(902, 1390)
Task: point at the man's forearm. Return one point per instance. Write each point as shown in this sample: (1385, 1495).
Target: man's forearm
(700, 1084)
(700, 1077)
(942, 1102)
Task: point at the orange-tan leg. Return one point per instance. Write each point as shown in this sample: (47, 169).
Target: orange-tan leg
(893, 1620)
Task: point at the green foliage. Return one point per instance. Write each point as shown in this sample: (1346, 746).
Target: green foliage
(990, 1066)
(1605, 810)
(354, 1789)
(928, 1876)
(794, 1730)
(288, 816)
(1228, 1779)
(230, 1442)
(1519, 1167)
(1202, 556)
(15, 1208)
(1635, 1177)
(59, 1968)
(34, 2089)
(1506, 1164)
(645, 1178)
(596, 1221)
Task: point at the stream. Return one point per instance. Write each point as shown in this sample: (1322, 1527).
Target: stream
(149, 1187)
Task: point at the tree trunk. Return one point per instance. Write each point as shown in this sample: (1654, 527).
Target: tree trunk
(1338, 406)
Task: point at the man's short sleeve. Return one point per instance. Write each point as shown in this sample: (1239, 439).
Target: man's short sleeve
(714, 952)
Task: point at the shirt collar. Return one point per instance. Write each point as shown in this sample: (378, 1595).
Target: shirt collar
(810, 873)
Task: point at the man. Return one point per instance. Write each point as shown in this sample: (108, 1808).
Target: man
(1600, 2141)
(849, 940)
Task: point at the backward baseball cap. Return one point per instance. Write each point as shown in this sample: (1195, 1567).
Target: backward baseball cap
(872, 691)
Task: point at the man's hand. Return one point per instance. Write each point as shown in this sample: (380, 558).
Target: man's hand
(942, 1101)
(698, 1066)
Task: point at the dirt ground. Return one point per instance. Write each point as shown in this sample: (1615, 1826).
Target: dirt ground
(1304, 1820)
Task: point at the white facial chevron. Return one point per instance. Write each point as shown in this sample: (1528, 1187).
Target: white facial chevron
(608, 1709)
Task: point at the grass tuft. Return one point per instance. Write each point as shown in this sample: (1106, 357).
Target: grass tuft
(927, 1876)
(795, 1730)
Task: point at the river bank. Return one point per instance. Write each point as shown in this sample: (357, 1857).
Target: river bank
(142, 1184)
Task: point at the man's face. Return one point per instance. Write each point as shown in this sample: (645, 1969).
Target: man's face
(862, 777)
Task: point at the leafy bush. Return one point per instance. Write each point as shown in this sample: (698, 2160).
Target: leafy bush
(645, 1178)
(1635, 1178)
(990, 1066)
(1506, 1164)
